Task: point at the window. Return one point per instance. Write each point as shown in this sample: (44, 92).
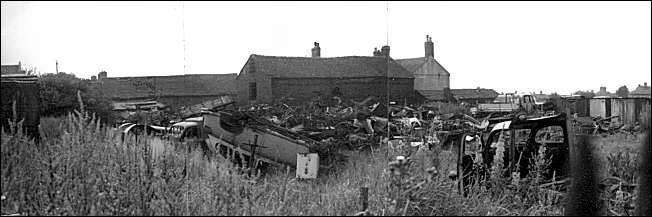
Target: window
(192, 132)
(550, 134)
(252, 91)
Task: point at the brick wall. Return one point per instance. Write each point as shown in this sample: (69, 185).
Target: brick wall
(248, 74)
(430, 77)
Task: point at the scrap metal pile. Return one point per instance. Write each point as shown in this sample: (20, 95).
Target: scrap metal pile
(363, 125)
(605, 126)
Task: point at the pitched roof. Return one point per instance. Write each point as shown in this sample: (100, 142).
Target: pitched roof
(413, 64)
(175, 85)
(11, 69)
(432, 95)
(641, 91)
(332, 67)
(476, 93)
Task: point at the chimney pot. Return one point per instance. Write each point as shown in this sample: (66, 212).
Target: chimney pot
(101, 75)
(316, 51)
(429, 47)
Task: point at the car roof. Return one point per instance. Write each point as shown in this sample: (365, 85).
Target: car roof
(530, 122)
(187, 124)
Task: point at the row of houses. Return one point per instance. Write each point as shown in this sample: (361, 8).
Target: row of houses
(265, 79)
(642, 91)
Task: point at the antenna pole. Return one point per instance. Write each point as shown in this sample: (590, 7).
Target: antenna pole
(387, 85)
(183, 36)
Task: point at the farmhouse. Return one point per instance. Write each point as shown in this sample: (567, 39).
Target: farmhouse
(641, 91)
(264, 79)
(175, 91)
(432, 80)
(428, 73)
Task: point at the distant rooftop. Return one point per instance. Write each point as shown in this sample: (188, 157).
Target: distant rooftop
(12, 69)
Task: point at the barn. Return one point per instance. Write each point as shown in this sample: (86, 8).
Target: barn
(265, 79)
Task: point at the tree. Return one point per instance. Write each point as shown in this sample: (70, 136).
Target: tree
(58, 95)
(622, 91)
(586, 94)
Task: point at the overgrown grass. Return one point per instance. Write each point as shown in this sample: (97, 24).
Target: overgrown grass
(82, 168)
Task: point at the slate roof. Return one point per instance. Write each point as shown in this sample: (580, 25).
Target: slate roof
(331, 67)
(176, 85)
(11, 69)
(475, 93)
(413, 64)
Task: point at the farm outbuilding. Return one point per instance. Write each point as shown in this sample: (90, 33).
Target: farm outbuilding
(175, 91)
(20, 93)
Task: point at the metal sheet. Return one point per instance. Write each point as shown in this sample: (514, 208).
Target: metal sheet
(307, 165)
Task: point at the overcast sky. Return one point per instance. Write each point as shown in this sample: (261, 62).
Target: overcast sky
(524, 46)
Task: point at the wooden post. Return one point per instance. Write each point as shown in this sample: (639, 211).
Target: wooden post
(571, 134)
(512, 149)
(364, 198)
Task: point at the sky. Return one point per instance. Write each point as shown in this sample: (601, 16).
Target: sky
(507, 46)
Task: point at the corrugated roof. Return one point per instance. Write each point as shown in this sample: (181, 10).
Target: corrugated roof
(335, 67)
(176, 85)
(476, 93)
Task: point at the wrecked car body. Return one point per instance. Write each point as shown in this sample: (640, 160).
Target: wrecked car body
(476, 157)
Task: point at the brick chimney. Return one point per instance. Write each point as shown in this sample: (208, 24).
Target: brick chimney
(316, 51)
(377, 52)
(429, 47)
(101, 75)
(603, 89)
(384, 51)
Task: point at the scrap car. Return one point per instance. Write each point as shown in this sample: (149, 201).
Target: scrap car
(520, 140)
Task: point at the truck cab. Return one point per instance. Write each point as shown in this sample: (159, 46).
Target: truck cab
(510, 103)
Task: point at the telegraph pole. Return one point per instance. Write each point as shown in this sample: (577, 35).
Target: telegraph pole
(57, 66)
